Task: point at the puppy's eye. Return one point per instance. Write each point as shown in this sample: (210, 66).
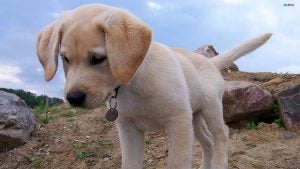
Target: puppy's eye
(65, 58)
(97, 59)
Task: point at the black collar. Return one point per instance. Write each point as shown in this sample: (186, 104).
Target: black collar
(116, 92)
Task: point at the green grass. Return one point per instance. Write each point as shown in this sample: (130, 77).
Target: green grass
(83, 155)
(46, 119)
(68, 113)
(104, 155)
(104, 143)
(101, 120)
(275, 107)
(251, 145)
(37, 163)
(45, 115)
(279, 122)
(78, 146)
(251, 125)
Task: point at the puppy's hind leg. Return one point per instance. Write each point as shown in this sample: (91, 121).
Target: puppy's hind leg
(213, 115)
(132, 146)
(204, 137)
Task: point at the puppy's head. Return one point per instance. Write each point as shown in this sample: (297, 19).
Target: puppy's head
(101, 48)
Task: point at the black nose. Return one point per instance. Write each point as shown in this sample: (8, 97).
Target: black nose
(76, 98)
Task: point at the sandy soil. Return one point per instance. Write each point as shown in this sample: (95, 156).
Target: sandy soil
(87, 140)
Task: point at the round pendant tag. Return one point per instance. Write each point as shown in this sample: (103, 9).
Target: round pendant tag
(111, 114)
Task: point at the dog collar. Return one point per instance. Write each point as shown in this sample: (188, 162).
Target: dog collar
(112, 113)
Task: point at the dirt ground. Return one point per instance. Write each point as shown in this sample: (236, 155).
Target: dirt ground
(84, 139)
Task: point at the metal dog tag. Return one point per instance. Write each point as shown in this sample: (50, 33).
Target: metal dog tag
(111, 114)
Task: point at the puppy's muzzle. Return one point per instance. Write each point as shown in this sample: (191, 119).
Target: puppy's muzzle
(76, 98)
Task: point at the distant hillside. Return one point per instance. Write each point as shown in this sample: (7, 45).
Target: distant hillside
(32, 99)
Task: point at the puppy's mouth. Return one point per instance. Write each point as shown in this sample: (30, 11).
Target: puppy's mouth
(97, 102)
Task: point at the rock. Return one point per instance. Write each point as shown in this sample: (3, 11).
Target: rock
(209, 51)
(289, 107)
(274, 81)
(288, 135)
(243, 100)
(17, 121)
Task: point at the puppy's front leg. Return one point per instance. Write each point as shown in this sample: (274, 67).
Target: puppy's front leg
(181, 139)
(132, 145)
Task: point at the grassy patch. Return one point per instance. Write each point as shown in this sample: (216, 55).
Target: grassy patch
(279, 122)
(46, 119)
(83, 155)
(104, 155)
(251, 145)
(145, 164)
(251, 125)
(47, 114)
(80, 146)
(275, 107)
(104, 143)
(101, 120)
(37, 163)
(68, 113)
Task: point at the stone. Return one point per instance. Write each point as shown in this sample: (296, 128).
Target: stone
(274, 81)
(17, 121)
(289, 107)
(287, 135)
(245, 100)
(209, 51)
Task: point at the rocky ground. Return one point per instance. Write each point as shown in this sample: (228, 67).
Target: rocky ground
(75, 138)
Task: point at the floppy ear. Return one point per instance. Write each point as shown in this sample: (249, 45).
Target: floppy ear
(47, 47)
(127, 41)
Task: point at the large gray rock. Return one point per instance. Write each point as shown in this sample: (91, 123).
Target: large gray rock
(289, 107)
(17, 121)
(209, 51)
(245, 100)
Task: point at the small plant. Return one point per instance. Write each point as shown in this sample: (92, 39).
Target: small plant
(68, 113)
(279, 122)
(275, 107)
(83, 155)
(41, 107)
(105, 143)
(104, 155)
(46, 119)
(101, 120)
(145, 164)
(251, 125)
(251, 145)
(80, 146)
(37, 163)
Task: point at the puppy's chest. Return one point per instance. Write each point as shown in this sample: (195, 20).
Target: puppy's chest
(144, 117)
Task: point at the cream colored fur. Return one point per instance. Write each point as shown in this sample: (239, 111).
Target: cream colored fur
(160, 87)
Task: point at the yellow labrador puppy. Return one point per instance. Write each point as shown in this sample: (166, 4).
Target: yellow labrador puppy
(104, 48)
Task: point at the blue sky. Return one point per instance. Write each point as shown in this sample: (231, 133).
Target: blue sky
(187, 24)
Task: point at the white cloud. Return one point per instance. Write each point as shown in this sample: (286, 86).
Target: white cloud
(264, 17)
(33, 91)
(55, 14)
(231, 2)
(154, 5)
(9, 74)
(39, 70)
(289, 69)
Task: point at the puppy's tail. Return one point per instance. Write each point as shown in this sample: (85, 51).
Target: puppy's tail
(225, 59)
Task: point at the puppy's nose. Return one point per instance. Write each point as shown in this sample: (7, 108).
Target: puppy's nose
(76, 98)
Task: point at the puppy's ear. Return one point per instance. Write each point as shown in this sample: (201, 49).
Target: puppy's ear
(47, 47)
(127, 41)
